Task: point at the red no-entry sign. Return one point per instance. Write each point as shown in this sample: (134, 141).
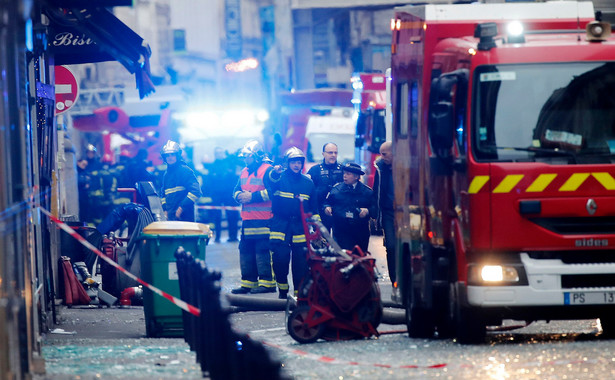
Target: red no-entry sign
(67, 89)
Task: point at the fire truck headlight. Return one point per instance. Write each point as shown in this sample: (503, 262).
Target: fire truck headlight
(505, 274)
(499, 273)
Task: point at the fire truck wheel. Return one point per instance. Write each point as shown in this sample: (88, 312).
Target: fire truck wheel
(468, 326)
(299, 329)
(418, 320)
(442, 314)
(608, 326)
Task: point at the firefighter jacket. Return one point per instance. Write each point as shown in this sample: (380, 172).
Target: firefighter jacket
(346, 202)
(256, 214)
(287, 189)
(325, 176)
(180, 188)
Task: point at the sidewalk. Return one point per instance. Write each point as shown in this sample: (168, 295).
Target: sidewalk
(110, 343)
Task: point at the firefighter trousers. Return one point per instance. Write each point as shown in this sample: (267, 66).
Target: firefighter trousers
(282, 251)
(255, 263)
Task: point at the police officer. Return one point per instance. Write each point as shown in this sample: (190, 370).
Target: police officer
(351, 204)
(325, 175)
(251, 193)
(289, 187)
(180, 188)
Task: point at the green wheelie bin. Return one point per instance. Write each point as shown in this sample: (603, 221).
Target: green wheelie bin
(158, 243)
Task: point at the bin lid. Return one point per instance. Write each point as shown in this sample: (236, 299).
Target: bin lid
(176, 228)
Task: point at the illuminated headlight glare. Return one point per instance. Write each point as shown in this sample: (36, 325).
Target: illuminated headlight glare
(491, 273)
(498, 273)
(514, 28)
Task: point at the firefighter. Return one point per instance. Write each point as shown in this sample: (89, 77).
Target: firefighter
(83, 187)
(180, 188)
(351, 204)
(384, 195)
(325, 175)
(252, 194)
(289, 187)
(96, 189)
(220, 182)
(92, 158)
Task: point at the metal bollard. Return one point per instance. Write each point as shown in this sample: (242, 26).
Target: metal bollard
(221, 352)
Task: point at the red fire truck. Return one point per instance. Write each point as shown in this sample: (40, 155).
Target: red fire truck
(504, 165)
(369, 98)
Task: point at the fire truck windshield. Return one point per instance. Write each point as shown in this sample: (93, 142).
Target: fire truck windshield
(558, 113)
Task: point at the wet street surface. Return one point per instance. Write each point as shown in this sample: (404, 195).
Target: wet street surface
(110, 343)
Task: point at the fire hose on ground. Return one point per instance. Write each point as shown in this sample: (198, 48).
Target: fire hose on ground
(391, 314)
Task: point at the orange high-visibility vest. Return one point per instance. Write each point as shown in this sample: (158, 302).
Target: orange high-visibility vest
(254, 182)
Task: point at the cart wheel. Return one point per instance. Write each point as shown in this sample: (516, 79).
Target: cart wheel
(298, 328)
(370, 308)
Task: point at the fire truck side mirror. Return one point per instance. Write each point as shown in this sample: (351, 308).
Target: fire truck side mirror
(442, 123)
(448, 94)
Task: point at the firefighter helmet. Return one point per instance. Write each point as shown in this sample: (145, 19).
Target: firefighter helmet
(252, 148)
(294, 153)
(171, 147)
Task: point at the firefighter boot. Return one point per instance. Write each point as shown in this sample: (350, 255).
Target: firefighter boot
(241, 290)
(262, 289)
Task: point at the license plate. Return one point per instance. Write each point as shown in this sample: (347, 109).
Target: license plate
(589, 298)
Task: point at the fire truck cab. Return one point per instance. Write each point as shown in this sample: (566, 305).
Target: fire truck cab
(504, 165)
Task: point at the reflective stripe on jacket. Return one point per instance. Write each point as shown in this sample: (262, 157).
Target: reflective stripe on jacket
(254, 183)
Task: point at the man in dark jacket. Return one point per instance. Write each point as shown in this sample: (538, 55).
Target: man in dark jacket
(180, 188)
(384, 195)
(351, 205)
(325, 175)
(289, 187)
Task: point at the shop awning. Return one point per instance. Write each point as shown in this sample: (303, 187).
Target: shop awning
(95, 35)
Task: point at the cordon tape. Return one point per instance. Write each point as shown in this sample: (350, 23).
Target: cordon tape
(181, 304)
(330, 360)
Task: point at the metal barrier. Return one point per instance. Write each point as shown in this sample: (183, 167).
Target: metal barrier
(221, 352)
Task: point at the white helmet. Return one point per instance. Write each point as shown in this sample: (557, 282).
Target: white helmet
(171, 147)
(252, 148)
(294, 153)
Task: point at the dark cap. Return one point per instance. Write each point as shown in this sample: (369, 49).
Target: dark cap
(353, 168)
